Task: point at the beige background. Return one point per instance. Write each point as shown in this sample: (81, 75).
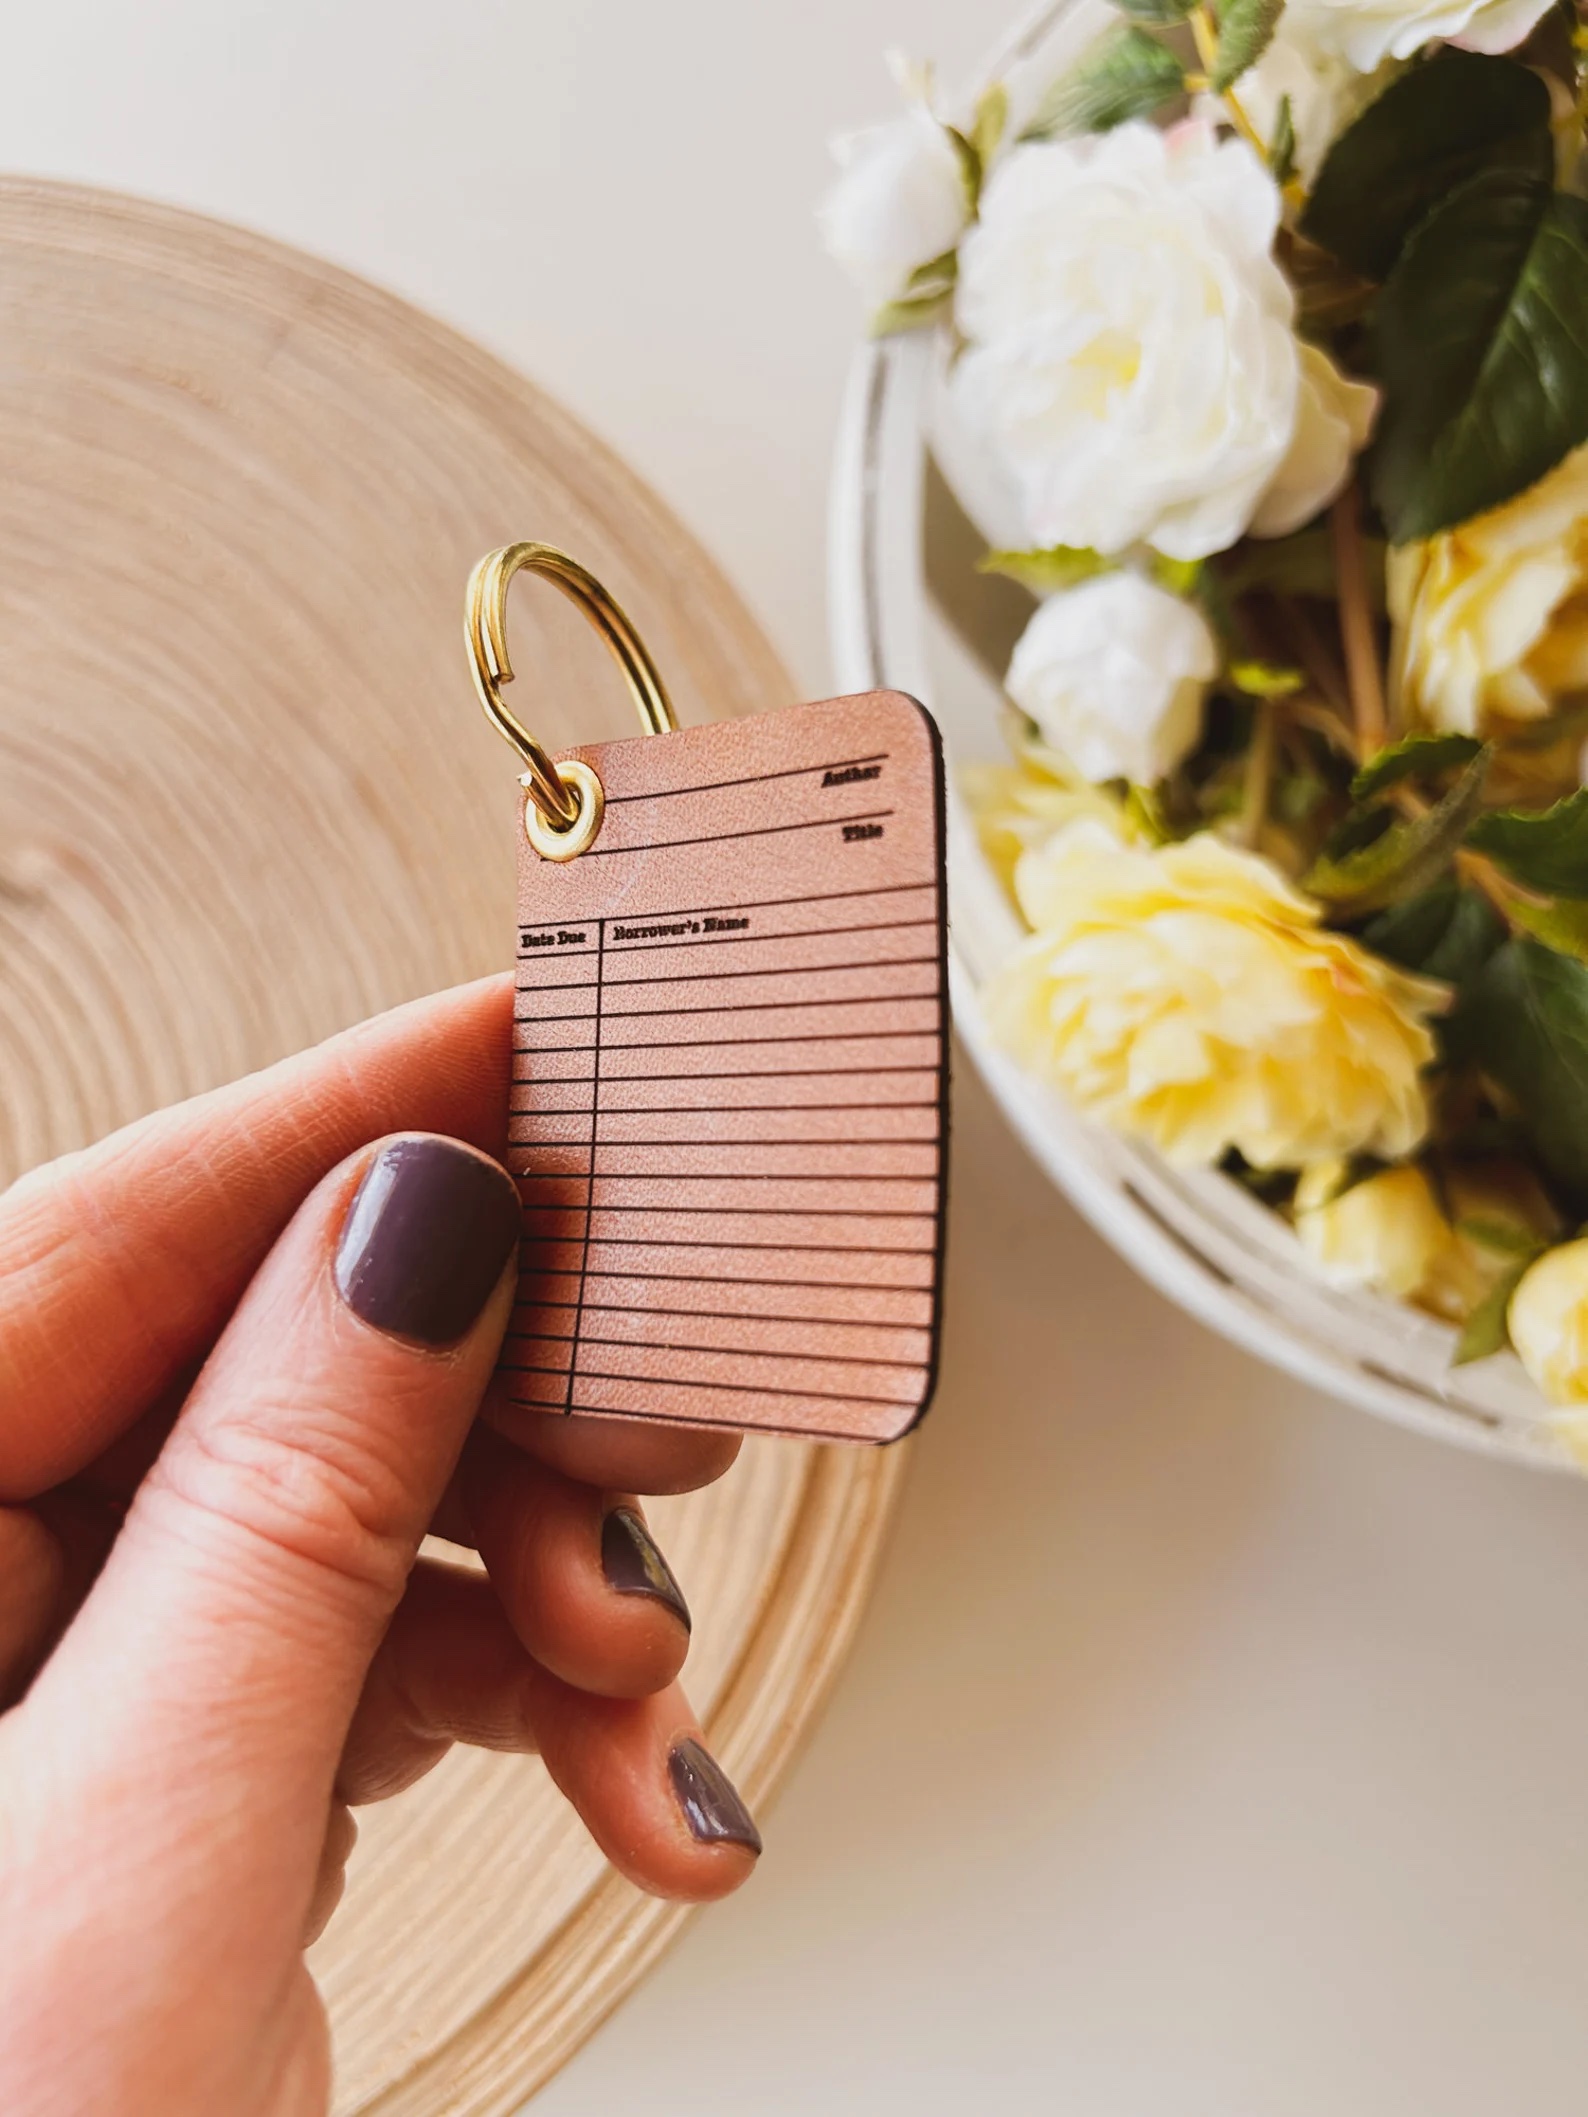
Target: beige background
(1208, 1749)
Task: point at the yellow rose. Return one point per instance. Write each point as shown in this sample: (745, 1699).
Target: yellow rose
(1549, 1322)
(1017, 806)
(1187, 994)
(1391, 1232)
(1386, 1232)
(1491, 618)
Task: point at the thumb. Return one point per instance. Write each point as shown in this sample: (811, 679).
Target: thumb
(210, 1677)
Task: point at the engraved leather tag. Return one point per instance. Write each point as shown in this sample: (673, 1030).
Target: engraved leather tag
(729, 1113)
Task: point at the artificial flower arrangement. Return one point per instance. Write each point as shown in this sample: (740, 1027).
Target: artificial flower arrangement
(1273, 326)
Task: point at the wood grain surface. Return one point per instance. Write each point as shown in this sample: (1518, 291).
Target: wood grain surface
(246, 797)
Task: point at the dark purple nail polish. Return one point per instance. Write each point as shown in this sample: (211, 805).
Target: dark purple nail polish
(711, 1805)
(634, 1566)
(426, 1239)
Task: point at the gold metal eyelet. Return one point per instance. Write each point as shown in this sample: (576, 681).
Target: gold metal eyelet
(566, 841)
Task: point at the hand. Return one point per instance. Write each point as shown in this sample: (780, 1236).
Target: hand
(242, 1349)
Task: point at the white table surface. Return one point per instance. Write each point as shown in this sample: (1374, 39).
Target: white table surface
(1209, 1751)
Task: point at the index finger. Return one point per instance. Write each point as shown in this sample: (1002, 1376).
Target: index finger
(120, 1264)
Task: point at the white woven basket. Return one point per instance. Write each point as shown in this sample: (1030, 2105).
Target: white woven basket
(1200, 1238)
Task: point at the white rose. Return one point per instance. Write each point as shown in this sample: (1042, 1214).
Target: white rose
(1367, 32)
(1113, 672)
(1130, 356)
(900, 202)
(1334, 417)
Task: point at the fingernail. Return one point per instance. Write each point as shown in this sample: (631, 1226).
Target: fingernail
(426, 1238)
(711, 1805)
(634, 1566)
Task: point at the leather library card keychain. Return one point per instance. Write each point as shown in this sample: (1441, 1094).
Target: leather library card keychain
(729, 1114)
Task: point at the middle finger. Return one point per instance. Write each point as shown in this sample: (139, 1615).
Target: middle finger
(582, 1581)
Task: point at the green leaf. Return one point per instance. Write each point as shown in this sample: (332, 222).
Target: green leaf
(1282, 147)
(1145, 811)
(1481, 342)
(1403, 858)
(1265, 679)
(910, 314)
(1426, 134)
(1412, 756)
(1060, 566)
(1563, 926)
(1544, 849)
(1246, 29)
(1507, 1238)
(1179, 576)
(970, 167)
(1487, 1330)
(936, 276)
(1524, 1022)
(1446, 932)
(1125, 74)
(1157, 14)
(987, 126)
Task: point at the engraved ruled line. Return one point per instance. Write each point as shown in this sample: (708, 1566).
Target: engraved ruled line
(702, 911)
(746, 1073)
(735, 1315)
(765, 830)
(797, 933)
(704, 1043)
(725, 1175)
(724, 1146)
(744, 1211)
(715, 786)
(526, 1341)
(640, 1014)
(696, 977)
(680, 1109)
(663, 977)
(738, 1389)
(693, 1278)
(676, 1415)
(748, 1352)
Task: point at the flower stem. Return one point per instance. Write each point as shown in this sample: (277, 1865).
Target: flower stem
(1205, 31)
(1259, 775)
(1314, 655)
(1321, 718)
(1363, 675)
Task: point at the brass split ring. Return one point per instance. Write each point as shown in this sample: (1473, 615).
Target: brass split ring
(564, 802)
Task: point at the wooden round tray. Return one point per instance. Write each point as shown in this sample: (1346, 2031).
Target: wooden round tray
(246, 797)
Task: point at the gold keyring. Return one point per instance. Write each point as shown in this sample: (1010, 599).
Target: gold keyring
(563, 811)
